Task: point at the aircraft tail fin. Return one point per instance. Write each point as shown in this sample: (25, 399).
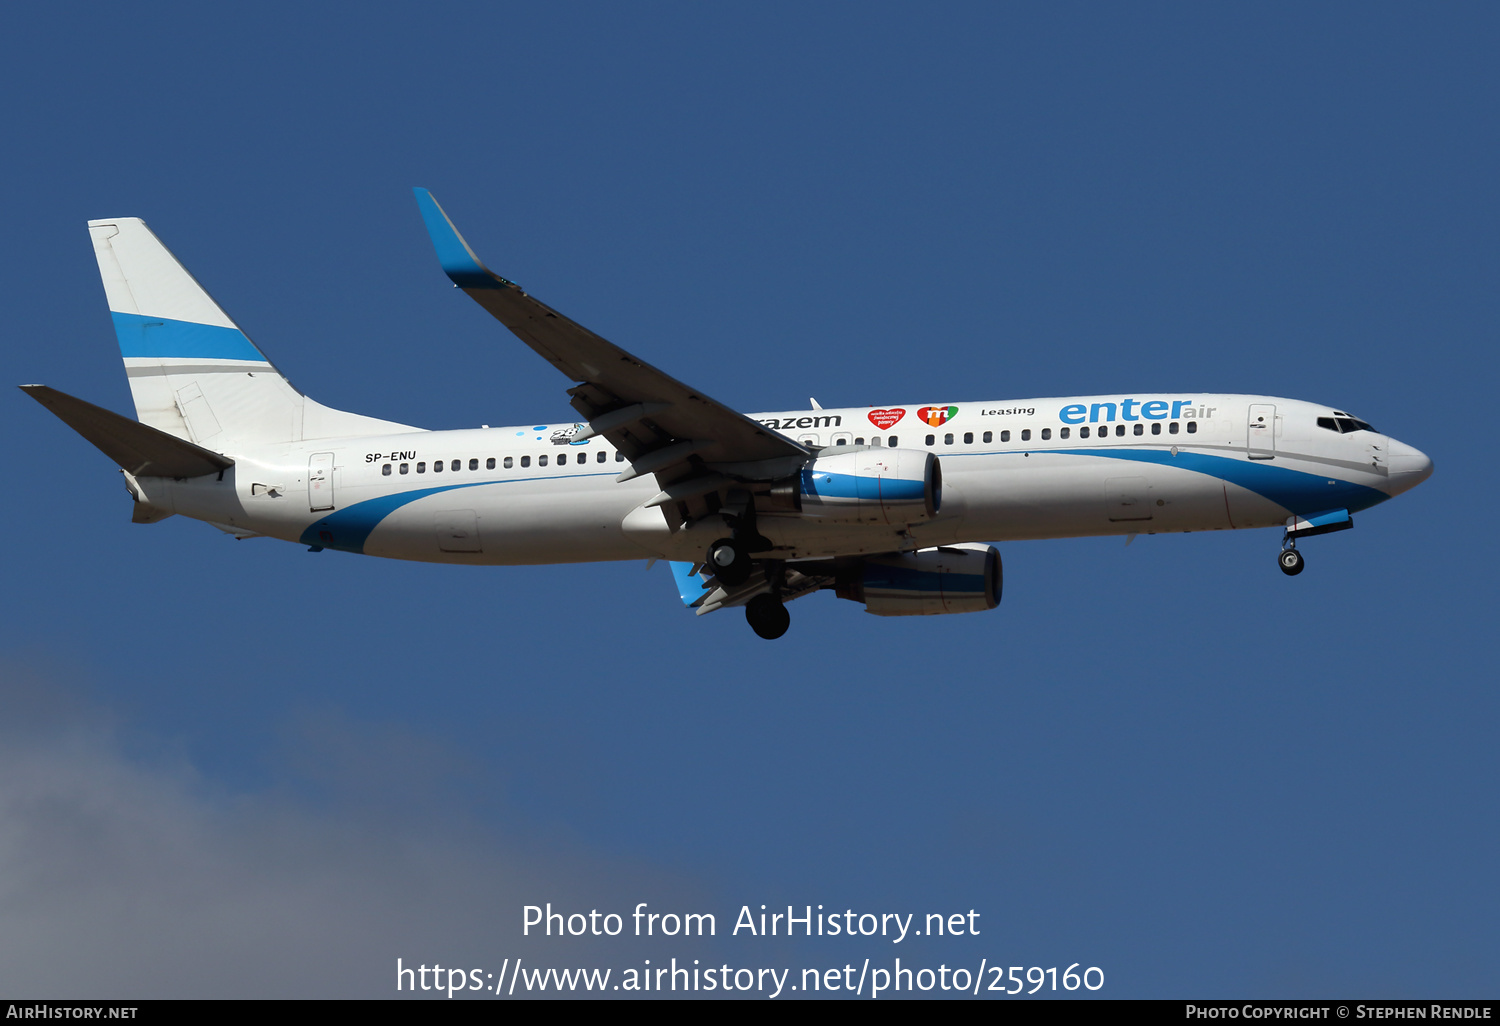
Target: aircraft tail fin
(193, 373)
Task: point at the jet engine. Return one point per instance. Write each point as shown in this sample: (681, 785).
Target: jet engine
(963, 578)
(868, 486)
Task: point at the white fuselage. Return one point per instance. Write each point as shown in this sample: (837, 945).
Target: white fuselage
(1035, 468)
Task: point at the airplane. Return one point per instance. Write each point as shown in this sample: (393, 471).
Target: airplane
(891, 506)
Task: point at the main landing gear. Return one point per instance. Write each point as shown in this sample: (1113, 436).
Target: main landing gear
(1290, 560)
(767, 616)
(729, 559)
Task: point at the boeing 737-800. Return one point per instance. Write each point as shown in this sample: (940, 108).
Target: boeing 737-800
(890, 506)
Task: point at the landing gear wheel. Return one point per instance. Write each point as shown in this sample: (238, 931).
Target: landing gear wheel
(767, 616)
(1291, 562)
(729, 562)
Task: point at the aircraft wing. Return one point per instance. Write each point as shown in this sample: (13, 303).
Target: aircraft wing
(663, 427)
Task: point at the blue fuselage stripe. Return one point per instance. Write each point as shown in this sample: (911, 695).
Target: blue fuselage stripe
(1294, 490)
(349, 528)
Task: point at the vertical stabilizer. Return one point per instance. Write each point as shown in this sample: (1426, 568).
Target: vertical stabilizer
(193, 373)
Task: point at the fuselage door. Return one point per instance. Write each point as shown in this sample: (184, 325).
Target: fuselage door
(1127, 498)
(320, 481)
(458, 531)
(1260, 435)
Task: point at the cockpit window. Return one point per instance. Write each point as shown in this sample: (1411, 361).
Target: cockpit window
(1343, 424)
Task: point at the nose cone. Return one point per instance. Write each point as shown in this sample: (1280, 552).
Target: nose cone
(1409, 467)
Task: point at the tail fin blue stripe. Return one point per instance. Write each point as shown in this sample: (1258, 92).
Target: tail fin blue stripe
(160, 338)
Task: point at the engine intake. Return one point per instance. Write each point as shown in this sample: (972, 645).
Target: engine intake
(963, 578)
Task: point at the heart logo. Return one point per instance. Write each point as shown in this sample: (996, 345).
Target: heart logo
(937, 416)
(886, 419)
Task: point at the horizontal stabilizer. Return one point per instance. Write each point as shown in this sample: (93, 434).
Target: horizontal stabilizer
(138, 448)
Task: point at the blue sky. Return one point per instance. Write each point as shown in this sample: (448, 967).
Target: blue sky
(235, 768)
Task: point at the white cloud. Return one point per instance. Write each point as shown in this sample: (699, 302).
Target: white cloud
(125, 879)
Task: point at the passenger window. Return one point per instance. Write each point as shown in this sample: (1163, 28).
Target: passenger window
(489, 464)
(842, 438)
(840, 441)
(405, 467)
(1140, 429)
(619, 457)
(541, 460)
(930, 439)
(891, 441)
(510, 461)
(1156, 428)
(422, 468)
(989, 436)
(1046, 434)
(968, 438)
(1005, 436)
(1172, 428)
(859, 441)
(562, 458)
(1065, 432)
(1192, 427)
(601, 457)
(525, 461)
(385, 471)
(474, 464)
(1026, 434)
(1119, 430)
(454, 465)
(437, 467)
(1083, 432)
(875, 440)
(947, 439)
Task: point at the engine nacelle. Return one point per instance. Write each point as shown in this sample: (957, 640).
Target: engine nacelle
(871, 486)
(952, 579)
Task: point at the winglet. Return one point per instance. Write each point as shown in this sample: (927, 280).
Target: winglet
(459, 261)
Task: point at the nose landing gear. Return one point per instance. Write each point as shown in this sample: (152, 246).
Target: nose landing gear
(1290, 560)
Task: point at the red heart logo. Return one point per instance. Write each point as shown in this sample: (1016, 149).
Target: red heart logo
(884, 419)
